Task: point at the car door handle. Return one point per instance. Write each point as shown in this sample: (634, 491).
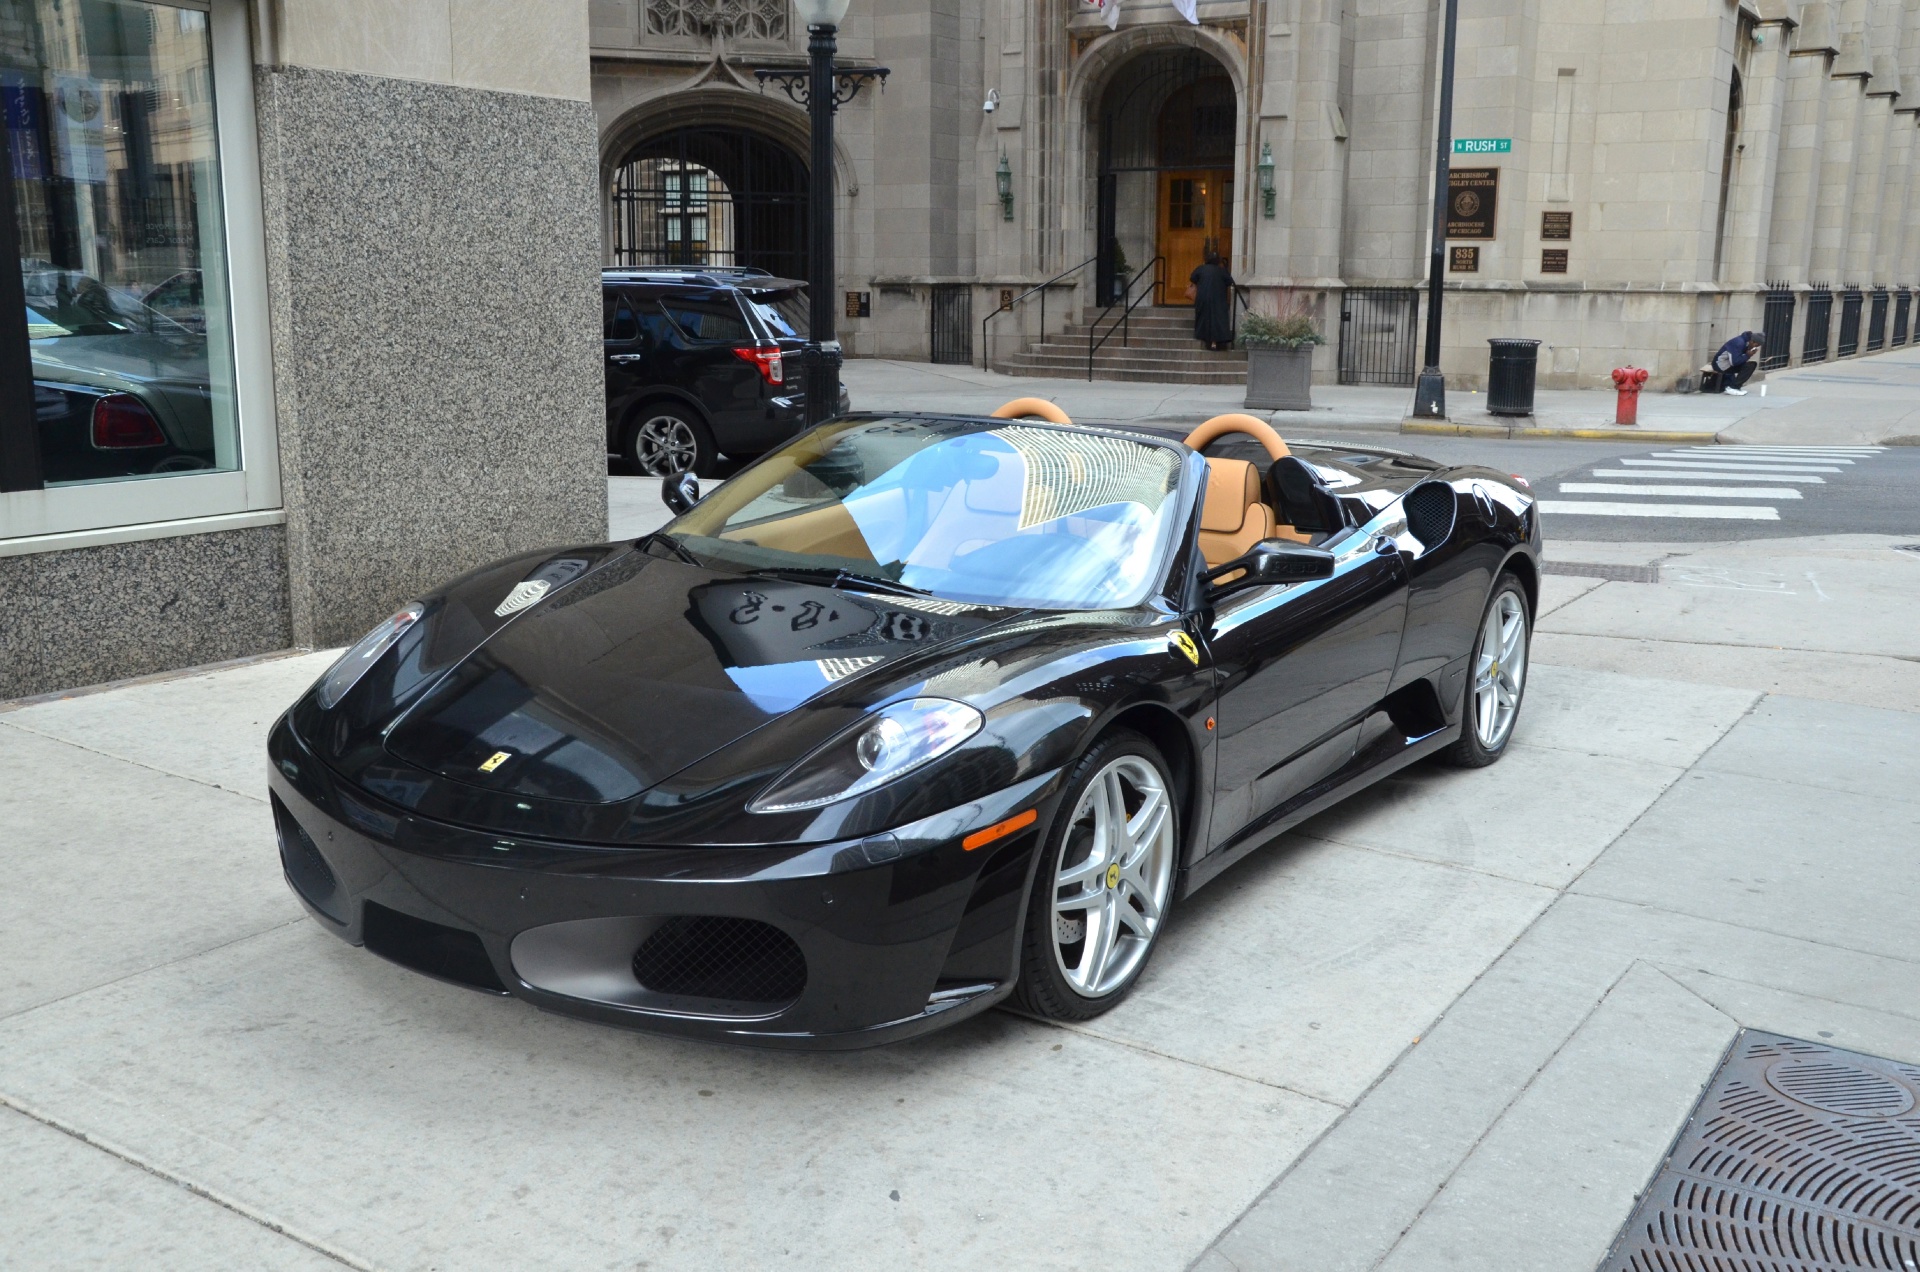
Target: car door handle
(625, 357)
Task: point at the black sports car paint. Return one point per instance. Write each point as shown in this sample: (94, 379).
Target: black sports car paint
(657, 697)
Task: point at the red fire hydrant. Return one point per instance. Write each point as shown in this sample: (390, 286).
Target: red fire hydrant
(1628, 380)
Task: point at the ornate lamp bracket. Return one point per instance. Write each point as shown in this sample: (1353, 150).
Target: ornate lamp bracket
(847, 81)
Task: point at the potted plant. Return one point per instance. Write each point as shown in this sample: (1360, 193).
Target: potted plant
(1279, 361)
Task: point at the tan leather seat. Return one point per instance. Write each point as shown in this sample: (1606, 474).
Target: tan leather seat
(1232, 519)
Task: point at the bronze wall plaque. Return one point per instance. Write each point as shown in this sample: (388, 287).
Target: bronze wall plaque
(1556, 226)
(1463, 260)
(859, 304)
(1553, 260)
(1471, 196)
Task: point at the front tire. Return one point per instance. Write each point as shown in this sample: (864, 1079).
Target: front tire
(1104, 885)
(664, 439)
(1497, 678)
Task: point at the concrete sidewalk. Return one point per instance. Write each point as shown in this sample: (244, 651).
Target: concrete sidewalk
(1858, 401)
(1453, 1023)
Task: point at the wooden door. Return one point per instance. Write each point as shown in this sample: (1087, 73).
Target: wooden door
(1194, 206)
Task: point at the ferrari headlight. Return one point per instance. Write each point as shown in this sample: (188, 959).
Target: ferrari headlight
(888, 744)
(353, 664)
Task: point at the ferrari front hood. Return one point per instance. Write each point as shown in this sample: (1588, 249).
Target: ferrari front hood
(647, 665)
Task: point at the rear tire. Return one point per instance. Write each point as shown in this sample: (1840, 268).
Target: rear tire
(1496, 678)
(1115, 847)
(663, 439)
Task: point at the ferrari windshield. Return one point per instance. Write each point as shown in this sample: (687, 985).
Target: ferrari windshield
(1009, 514)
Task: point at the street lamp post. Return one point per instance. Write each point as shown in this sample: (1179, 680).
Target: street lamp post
(1430, 398)
(822, 87)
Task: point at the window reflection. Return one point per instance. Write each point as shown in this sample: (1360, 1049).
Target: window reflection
(111, 145)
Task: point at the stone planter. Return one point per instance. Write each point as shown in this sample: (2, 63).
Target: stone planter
(1280, 379)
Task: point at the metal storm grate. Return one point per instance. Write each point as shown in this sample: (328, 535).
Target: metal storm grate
(1776, 328)
(709, 956)
(1613, 573)
(1850, 301)
(952, 323)
(1813, 346)
(1378, 330)
(1800, 1158)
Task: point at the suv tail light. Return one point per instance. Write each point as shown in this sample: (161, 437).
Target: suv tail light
(766, 358)
(122, 422)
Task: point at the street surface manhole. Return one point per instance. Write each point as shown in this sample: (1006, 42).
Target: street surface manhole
(1799, 1158)
(1613, 573)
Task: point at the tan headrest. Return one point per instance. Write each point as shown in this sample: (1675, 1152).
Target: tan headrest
(1233, 486)
(1258, 429)
(1032, 408)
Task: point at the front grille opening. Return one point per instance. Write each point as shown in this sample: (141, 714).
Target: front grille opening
(709, 956)
(306, 869)
(449, 953)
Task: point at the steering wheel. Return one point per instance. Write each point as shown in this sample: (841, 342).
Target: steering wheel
(1031, 408)
(1259, 430)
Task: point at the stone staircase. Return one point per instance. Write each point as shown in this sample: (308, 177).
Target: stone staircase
(1160, 346)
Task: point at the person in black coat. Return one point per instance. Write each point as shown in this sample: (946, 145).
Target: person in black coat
(1210, 288)
(1736, 362)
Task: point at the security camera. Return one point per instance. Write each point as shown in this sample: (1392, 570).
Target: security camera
(993, 101)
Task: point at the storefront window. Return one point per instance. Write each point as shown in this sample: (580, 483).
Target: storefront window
(112, 225)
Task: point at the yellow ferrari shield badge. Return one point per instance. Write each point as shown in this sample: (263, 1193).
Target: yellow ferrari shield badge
(494, 761)
(1113, 875)
(1184, 643)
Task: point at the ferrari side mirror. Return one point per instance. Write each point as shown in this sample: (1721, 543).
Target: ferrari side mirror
(680, 492)
(1268, 562)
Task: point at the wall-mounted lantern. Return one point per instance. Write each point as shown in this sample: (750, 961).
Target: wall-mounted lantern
(1005, 176)
(1265, 169)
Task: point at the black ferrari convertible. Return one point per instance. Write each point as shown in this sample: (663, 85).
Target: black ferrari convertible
(914, 715)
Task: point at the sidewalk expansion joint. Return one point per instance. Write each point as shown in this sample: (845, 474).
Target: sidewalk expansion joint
(238, 1207)
(124, 759)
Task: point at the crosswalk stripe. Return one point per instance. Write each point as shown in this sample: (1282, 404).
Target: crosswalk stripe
(1697, 492)
(1727, 467)
(1721, 512)
(1868, 451)
(1692, 474)
(1755, 459)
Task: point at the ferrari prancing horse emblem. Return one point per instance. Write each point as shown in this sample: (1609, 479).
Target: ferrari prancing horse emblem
(494, 761)
(1184, 643)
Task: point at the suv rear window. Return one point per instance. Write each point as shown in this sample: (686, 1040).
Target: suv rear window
(708, 319)
(784, 314)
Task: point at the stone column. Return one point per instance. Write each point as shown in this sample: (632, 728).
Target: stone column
(1751, 204)
(1317, 209)
(428, 179)
(1869, 170)
(1802, 129)
(1833, 200)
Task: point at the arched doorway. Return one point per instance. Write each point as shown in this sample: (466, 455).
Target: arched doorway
(1166, 181)
(711, 196)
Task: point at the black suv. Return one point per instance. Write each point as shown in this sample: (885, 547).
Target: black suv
(702, 362)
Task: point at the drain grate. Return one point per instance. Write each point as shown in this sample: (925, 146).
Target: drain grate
(1613, 573)
(1800, 1158)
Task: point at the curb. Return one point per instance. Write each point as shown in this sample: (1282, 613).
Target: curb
(1576, 434)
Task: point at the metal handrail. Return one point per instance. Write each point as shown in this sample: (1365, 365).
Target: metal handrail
(986, 350)
(1124, 324)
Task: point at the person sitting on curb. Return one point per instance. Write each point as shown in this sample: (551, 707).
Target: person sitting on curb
(1736, 362)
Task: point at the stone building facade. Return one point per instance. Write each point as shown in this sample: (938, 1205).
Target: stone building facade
(1656, 176)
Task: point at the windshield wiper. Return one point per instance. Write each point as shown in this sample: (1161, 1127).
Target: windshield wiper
(674, 547)
(832, 576)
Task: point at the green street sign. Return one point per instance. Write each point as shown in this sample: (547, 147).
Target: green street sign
(1482, 145)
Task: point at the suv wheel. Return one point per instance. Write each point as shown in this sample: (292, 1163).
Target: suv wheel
(665, 438)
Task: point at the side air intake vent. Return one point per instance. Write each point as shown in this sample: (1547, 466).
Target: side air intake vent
(306, 869)
(707, 956)
(1430, 511)
(450, 953)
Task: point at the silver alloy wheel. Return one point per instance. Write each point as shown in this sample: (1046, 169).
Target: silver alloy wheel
(664, 445)
(1501, 672)
(1111, 887)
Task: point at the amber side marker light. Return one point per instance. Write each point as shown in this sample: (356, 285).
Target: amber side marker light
(1000, 830)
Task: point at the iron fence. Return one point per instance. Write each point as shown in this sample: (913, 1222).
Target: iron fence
(711, 196)
(1902, 311)
(1813, 343)
(1776, 328)
(1849, 342)
(1877, 321)
(1378, 330)
(953, 323)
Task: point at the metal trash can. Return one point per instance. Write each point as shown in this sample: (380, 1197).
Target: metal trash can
(1510, 367)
